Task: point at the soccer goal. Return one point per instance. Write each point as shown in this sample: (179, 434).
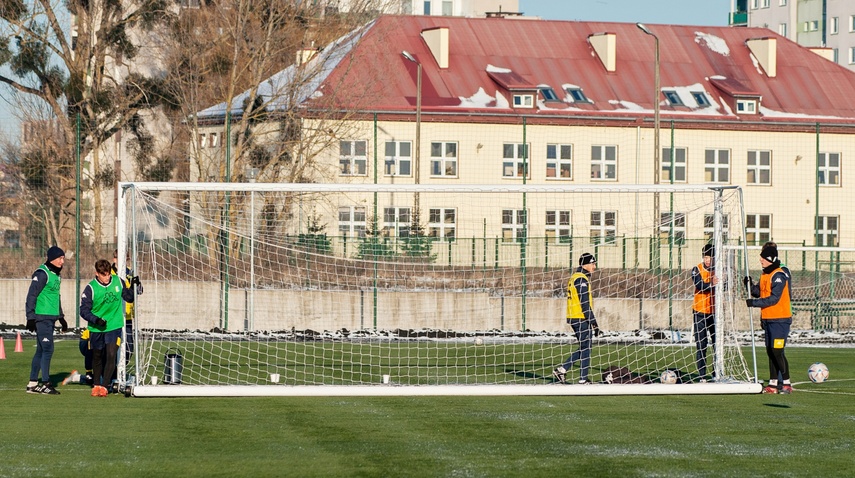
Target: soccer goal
(364, 289)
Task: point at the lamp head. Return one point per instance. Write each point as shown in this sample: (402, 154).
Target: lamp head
(409, 56)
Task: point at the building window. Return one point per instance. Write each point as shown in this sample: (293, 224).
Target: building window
(442, 223)
(351, 221)
(203, 140)
(764, 3)
(399, 158)
(513, 225)
(828, 169)
(717, 166)
(576, 95)
(396, 221)
(755, 4)
(758, 228)
(426, 7)
(353, 158)
(672, 228)
(672, 97)
(827, 231)
(558, 227)
(673, 171)
(835, 55)
(559, 161)
(515, 161)
(523, 101)
(782, 3)
(709, 227)
(746, 106)
(443, 159)
(447, 8)
(604, 163)
(407, 7)
(701, 99)
(782, 29)
(852, 55)
(834, 25)
(811, 26)
(760, 168)
(852, 23)
(548, 93)
(603, 227)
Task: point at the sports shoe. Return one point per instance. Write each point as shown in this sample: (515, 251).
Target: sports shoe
(87, 379)
(99, 391)
(47, 389)
(73, 377)
(786, 389)
(34, 389)
(584, 382)
(560, 374)
(770, 389)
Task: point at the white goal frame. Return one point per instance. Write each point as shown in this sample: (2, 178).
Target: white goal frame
(143, 387)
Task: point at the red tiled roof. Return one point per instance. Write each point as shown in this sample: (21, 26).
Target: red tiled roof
(539, 52)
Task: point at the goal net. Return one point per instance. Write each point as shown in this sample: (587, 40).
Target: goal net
(277, 289)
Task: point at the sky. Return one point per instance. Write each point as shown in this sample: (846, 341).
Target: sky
(675, 12)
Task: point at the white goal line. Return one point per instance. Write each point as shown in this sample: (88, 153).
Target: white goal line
(391, 390)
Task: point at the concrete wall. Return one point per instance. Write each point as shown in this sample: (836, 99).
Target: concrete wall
(196, 306)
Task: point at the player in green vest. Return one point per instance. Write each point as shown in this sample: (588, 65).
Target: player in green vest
(43, 309)
(102, 307)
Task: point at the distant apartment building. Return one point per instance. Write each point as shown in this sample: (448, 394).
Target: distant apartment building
(827, 26)
(739, 107)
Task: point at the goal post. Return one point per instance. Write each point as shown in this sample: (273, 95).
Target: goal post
(367, 289)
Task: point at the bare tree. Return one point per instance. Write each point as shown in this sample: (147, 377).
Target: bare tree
(86, 83)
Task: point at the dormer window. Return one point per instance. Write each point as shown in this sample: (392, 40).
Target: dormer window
(577, 95)
(745, 106)
(523, 101)
(701, 99)
(548, 93)
(673, 98)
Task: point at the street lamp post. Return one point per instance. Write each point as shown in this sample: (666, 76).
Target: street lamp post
(418, 145)
(656, 151)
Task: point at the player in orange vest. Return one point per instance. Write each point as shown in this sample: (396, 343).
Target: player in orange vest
(776, 316)
(703, 308)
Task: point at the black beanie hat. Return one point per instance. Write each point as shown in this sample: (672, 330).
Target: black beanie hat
(54, 252)
(709, 250)
(770, 253)
(587, 258)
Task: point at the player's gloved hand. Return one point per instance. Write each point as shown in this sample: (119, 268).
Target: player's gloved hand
(136, 281)
(596, 327)
(63, 324)
(99, 322)
(31, 325)
(749, 302)
(747, 282)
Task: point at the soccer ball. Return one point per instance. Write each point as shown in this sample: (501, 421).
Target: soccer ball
(668, 376)
(479, 341)
(818, 372)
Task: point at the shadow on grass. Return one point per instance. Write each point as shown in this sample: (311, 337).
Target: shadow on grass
(776, 405)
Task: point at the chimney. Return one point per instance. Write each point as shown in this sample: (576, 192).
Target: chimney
(765, 50)
(437, 41)
(604, 45)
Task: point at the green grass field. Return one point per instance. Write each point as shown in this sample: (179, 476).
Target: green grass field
(808, 433)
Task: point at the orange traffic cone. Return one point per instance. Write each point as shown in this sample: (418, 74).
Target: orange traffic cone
(2, 350)
(19, 347)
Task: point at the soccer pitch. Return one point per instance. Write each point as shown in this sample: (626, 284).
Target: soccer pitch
(807, 433)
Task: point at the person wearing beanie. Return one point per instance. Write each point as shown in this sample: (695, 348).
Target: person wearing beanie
(44, 308)
(580, 317)
(703, 308)
(772, 296)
